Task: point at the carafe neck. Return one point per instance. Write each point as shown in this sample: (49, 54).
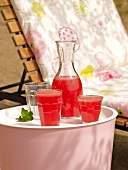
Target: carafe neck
(65, 51)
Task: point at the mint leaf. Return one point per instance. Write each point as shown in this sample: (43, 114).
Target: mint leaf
(25, 116)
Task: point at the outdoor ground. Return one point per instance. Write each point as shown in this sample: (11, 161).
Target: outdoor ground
(122, 6)
(11, 70)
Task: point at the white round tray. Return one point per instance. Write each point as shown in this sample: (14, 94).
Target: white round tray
(8, 118)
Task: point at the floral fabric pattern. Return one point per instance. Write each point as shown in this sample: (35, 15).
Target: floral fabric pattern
(36, 43)
(55, 64)
(101, 24)
(81, 7)
(105, 92)
(67, 34)
(38, 9)
(102, 59)
(88, 72)
(109, 75)
(101, 53)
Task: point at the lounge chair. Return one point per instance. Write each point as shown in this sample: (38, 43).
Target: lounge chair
(31, 68)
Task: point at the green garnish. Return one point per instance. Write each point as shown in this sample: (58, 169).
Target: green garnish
(120, 112)
(25, 116)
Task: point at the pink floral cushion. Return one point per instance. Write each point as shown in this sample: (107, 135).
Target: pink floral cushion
(101, 40)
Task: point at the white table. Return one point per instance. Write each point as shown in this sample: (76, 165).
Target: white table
(72, 146)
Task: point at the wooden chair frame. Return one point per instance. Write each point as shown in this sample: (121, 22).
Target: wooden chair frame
(31, 69)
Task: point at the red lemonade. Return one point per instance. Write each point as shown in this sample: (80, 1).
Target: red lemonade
(71, 88)
(90, 107)
(49, 105)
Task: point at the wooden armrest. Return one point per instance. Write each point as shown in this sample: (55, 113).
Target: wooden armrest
(5, 3)
(19, 40)
(36, 77)
(8, 14)
(31, 66)
(25, 53)
(14, 26)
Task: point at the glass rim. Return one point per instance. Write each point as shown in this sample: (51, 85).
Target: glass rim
(65, 41)
(57, 90)
(90, 95)
(36, 83)
(87, 97)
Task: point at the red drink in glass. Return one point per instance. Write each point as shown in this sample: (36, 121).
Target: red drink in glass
(71, 88)
(90, 107)
(49, 105)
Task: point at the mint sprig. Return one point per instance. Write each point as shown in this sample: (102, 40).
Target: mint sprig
(25, 116)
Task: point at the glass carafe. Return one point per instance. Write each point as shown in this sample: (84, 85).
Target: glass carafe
(67, 79)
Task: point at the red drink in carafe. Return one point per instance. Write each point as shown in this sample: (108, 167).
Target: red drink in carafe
(71, 88)
(67, 79)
